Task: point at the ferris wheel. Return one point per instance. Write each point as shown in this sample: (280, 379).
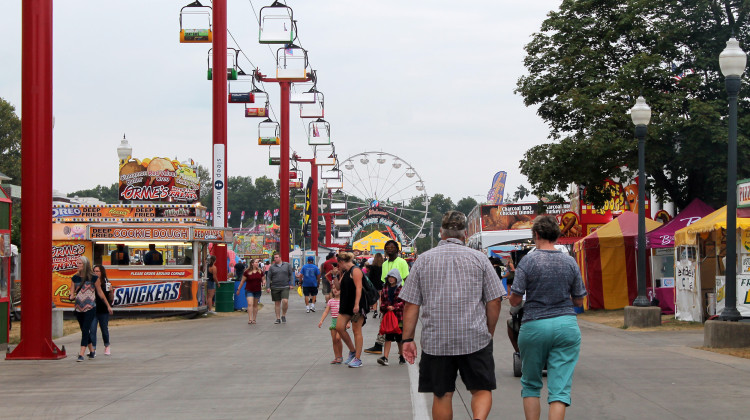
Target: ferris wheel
(381, 188)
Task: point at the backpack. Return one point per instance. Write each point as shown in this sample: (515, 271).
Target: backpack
(368, 290)
(371, 293)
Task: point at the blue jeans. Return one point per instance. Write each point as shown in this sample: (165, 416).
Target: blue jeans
(84, 322)
(103, 321)
(555, 342)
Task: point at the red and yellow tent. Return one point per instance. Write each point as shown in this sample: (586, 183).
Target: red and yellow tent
(607, 258)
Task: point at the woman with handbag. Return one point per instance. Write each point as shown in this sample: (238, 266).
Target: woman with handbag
(392, 308)
(84, 288)
(105, 296)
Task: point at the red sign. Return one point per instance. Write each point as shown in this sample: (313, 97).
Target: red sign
(158, 179)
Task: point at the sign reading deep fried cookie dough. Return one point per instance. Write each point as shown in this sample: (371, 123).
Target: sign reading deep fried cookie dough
(145, 233)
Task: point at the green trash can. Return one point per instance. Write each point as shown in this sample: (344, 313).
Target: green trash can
(225, 297)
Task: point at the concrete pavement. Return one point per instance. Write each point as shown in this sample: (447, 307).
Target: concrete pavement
(221, 367)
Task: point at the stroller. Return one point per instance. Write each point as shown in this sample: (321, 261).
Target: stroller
(514, 328)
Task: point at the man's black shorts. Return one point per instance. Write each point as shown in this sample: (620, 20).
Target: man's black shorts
(437, 374)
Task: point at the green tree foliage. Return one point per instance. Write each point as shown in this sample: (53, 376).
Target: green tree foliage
(465, 205)
(588, 63)
(10, 142)
(109, 195)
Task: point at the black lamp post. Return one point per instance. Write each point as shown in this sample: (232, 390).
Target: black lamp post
(641, 115)
(732, 62)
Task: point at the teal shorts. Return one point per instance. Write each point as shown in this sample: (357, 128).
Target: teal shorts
(555, 342)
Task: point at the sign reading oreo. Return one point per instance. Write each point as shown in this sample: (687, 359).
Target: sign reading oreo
(65, 212)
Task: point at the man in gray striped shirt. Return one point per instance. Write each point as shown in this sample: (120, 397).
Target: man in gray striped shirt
(457, 292)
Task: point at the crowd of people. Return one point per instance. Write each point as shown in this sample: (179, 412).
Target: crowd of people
(456, 292)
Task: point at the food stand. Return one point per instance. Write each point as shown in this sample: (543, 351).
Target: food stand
(699, 269)
(118, 236)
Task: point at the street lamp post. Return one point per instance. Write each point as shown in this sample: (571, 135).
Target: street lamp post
(732, 62)
(641, 115)
(432, 236)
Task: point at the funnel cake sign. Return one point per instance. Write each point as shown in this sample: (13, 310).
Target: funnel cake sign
(158, 179)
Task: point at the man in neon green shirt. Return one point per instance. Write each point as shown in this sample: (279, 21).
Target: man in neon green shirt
(392, 261)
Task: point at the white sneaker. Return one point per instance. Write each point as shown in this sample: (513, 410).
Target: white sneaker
(307, 310)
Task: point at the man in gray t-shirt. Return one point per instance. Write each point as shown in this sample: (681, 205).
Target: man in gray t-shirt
(278, 276)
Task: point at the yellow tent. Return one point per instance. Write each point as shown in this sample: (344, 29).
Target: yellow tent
(375, 239)
(714, 221)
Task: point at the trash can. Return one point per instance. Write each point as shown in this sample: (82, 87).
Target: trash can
(225, 297)
(240, 301)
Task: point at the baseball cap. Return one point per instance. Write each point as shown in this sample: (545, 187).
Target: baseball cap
(310, 259)
(454, 220)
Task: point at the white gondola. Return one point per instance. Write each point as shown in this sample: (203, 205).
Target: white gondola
(277, 24)
(318, 132)
(325, 155)
(341, 222)
(333, 173)
(334, 184)
(313, 110)
(195, 24)
(304, 92)
(268, 133)
(291, 63)
(337, 206)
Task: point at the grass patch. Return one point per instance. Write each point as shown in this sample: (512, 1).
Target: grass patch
(743, 352)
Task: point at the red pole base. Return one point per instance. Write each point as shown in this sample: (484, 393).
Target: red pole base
(26, 350)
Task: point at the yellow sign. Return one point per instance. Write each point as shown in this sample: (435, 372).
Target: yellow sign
(745, 241)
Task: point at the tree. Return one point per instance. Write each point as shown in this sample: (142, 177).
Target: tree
(109, 195)
(466, 205)
(10, 142)
(592, 58)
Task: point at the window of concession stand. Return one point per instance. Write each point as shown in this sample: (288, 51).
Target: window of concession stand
(118, 237)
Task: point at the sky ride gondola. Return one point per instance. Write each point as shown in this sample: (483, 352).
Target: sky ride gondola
(305, 92)
(260, 109)
(195, 12)
(291, 63)
(268, 133)
(277, 25)
(274, 155)
(325, 155)
(314, 109)
(233, 69)
(240, 96)
(318, 132)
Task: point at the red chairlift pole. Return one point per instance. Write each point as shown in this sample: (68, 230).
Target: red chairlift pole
(219, 99)
(314, 204)
(285, 86)
(36, 146)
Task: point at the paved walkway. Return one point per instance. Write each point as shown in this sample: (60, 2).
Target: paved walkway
(221, 367)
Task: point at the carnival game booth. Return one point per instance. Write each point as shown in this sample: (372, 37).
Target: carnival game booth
(700, 266)
(118, 237)
(661, 248)
(607, 258)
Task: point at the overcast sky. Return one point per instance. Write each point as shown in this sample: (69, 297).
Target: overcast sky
(429, 81)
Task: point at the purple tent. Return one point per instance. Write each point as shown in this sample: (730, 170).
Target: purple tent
(663, 237)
